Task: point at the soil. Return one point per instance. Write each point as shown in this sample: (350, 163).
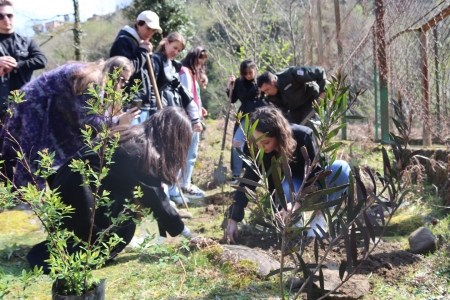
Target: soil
(388, 261)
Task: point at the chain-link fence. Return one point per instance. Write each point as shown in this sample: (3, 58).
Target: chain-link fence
(415, 42)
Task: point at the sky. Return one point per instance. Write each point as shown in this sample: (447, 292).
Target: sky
(30, 12)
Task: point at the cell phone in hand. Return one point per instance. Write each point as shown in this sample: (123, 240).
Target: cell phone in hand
(136, 103)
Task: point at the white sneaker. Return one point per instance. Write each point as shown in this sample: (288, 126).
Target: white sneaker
(192, 192)
(318, 220)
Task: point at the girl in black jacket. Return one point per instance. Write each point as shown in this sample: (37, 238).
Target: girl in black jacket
(149, 154)
(245, 90)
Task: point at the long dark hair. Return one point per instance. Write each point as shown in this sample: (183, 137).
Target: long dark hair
(272, 122)
(161, 142)
(247, 64)
(191, 61)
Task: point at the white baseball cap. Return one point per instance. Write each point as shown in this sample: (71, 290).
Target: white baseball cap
(151, 19)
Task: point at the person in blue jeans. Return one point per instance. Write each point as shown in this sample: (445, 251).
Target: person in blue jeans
(291, 138)
(246, 91)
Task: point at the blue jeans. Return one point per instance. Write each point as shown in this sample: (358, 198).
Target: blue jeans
(145, 114)
(236, 161)
(191, 159)
(342, 179)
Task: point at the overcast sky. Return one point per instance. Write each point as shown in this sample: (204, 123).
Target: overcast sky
(30, 12)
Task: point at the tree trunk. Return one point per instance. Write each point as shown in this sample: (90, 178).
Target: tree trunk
(77, 31)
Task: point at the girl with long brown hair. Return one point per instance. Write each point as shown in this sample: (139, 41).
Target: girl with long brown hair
(148, 155)
(279, 134)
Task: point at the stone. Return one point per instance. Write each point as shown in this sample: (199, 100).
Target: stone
(235, 253)
(294, 283)
(422, 241)
(184, 214)
(355, 288)
(210, 209)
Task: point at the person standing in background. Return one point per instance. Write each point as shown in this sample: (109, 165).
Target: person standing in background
(246, 91)
(193, 65)
(134, 44)
(19, 57)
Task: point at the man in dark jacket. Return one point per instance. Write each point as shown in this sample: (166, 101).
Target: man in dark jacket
(19, 56)
(293, 90)
(134, 44)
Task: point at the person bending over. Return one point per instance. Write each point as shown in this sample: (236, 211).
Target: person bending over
(293, 90)
(148, 155)
(55, 111)
(290, 137)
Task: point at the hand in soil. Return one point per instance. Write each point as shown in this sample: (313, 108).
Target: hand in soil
(231, 232)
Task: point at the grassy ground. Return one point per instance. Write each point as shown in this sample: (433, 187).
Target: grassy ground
(169, 271)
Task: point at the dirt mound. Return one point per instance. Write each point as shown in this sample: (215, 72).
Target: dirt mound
(224, 198)
(388, 261)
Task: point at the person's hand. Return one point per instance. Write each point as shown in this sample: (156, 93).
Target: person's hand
(197, 127)
(4, 71)
(231, 81)
(130, 115)
(231, 232)
(146, 45)
(7, 63)
(204, 112)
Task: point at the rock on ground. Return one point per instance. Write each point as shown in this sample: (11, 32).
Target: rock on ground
(422, 241)
(235, 253)
(184, 214)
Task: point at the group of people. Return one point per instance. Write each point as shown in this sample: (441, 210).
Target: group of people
(151, 153)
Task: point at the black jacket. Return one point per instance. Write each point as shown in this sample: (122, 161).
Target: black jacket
(29, 58)
(167, 74)
(298, 86)
(248, 93)
(124, 175)
(304, 137)
(126, 45)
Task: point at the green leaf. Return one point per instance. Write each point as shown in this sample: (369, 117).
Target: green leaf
(333, 147)
(335, 131)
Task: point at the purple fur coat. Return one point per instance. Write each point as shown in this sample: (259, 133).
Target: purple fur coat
(51, 118)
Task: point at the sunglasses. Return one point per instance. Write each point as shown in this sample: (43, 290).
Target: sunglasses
(2, 16)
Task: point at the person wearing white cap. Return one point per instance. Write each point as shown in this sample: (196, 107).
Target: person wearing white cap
(133, 43)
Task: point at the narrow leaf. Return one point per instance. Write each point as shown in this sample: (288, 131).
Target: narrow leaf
(342, 268)
(369, 226)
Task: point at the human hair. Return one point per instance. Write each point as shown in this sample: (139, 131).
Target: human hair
(246, 64)
(6, 3)
(140, 23)
(172, 37)
(274, 124)
(192, 60)
(97, 71)
(161, 143)
(266, 77)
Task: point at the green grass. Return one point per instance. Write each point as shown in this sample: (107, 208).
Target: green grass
(154, 274)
